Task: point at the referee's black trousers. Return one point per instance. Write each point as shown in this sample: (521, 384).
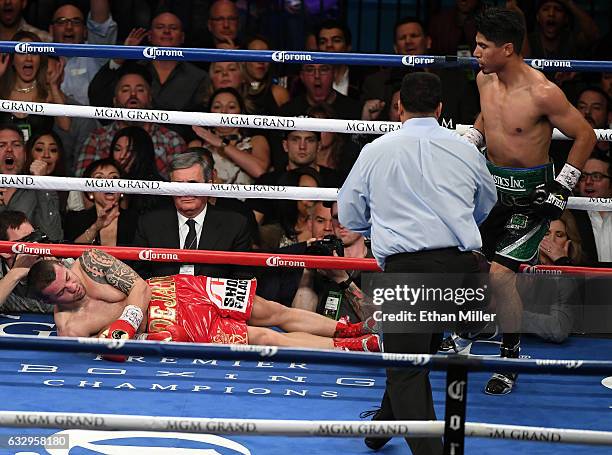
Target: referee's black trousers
(408, 392)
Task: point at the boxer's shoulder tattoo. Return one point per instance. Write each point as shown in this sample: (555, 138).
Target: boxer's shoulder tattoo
(104, 268)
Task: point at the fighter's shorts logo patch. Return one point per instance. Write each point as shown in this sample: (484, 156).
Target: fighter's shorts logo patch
(517, 221)
(237, 294)
(229, 294)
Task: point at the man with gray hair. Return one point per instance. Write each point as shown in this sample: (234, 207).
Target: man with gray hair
(192, 224)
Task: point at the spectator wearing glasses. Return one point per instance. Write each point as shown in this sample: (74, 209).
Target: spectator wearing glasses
(15, 227)
(223, 21)
(69, 26)
(596, 227)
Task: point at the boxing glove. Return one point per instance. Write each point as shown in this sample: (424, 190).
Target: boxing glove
(123, 328)
(550, 199)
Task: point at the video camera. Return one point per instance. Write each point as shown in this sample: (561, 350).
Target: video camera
(326, 247)
(36, 236)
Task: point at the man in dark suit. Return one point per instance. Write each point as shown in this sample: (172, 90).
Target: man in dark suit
(192, 224)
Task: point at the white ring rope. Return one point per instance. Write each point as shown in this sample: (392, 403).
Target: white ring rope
(239, 120)
(167, 188)
(602, 135)
(201, 118)
(213, 189)
(269, 427)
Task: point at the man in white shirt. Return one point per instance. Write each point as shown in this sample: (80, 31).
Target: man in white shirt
(193, 224)
(596, 226)
(69, 26)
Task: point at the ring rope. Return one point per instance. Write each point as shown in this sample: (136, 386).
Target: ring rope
(45, 182)
(272, 56)
(238, 120)
(194, 256)
(270, 427)
(318, 356)
(253, 259)
(89, 185)
(564, 270)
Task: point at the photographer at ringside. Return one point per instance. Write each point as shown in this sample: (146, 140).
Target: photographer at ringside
(15, 227)
(333, 293)
(314, 289)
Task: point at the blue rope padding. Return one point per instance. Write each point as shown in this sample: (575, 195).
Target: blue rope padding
(257, 353)
(297, 57)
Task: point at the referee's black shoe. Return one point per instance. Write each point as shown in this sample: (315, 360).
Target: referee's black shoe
(377, 414)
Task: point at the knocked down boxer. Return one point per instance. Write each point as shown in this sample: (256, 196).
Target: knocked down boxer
(101, 296)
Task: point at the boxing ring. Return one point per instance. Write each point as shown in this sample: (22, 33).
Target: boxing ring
(61, 397)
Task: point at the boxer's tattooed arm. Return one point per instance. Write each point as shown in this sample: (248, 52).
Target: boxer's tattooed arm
(357, 299)
(105, 269)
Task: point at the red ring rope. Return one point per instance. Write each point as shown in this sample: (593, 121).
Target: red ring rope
(194, 256)
(563, 270)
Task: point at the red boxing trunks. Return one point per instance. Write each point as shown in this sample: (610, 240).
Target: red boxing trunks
(211, 310)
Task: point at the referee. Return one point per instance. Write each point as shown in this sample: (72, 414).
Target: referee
(419, 193)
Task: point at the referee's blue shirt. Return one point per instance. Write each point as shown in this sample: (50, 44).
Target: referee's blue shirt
(421, 187)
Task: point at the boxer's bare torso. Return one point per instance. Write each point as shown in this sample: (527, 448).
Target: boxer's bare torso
(520, 108)
(95, 303)
(517, 130)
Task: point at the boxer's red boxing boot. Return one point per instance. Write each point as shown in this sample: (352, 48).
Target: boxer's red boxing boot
(173, 332)
(365, 343)
(345, 329)
(162, 335)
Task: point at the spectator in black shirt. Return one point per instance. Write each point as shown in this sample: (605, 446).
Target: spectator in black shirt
(301, 149)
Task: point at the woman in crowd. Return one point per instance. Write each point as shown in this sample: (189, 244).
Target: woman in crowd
(106, 223)
(228, 74)
(32, 77)
(295, 222)
(132, 148)
(239, 158)
(45, 156)
(336, 151)
(265, 95)
(550, 302)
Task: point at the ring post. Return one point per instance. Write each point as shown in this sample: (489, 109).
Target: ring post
(454, 416)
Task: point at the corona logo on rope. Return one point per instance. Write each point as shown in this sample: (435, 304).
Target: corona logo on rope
(540, 64)
(150, 255)
(416, 359)
(276, 261)
(22, 248)
(456, 390)
(264, 351)
(535, 269)
(28, 48)
(283, 56)
(411, 60)
(154, 52)
(570, 364)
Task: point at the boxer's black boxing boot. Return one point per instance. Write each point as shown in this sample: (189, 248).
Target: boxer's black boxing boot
(503, 383)
(377, 414)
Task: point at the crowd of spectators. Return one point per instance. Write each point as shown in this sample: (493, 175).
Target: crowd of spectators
(71, 146)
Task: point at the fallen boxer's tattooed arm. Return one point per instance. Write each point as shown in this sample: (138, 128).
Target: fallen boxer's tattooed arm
(103, 268)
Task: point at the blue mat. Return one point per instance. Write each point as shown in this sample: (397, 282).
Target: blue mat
(40, 381)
